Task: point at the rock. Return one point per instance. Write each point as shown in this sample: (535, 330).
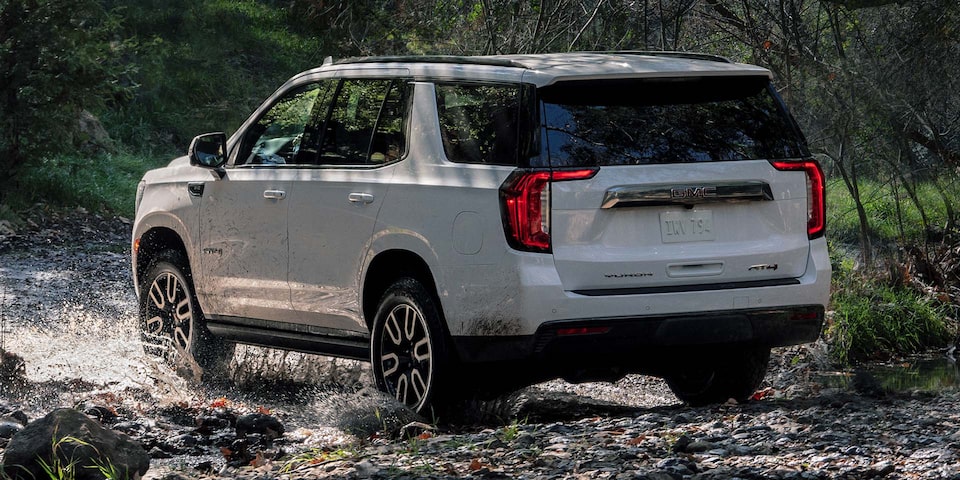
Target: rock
(13, 371)
(101, 414)
(370, 412)
(259, 423)
(207, 424)
(682, 443)
(11, 424)
(66, 436)
(9, 427)
(90, 132)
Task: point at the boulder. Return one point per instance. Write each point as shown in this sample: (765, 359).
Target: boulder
(90, 133)
(69, 440)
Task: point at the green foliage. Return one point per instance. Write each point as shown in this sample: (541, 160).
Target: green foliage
(103, 183)
(55, 60)
(203, 66)
(893, 216)
(63, 469)
(873, 320)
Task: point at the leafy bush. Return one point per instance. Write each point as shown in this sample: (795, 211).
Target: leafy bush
(875, 321)
(893, 216)
(57, 60)
(203, 66)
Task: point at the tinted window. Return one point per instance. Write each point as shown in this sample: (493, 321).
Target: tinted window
(366, 123)
(479, 123)
(639, 122)
(278, 136)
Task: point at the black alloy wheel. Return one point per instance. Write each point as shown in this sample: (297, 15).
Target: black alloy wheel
(172, 324)
(408, 349)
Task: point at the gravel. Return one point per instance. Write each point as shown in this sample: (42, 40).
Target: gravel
(68, 310)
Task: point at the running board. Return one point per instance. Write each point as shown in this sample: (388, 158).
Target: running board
(356, 347)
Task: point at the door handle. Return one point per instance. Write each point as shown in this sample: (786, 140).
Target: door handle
(274, 194)
(360, 198)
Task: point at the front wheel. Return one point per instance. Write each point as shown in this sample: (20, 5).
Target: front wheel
(408, 350)
(172, 324)
(719, 375)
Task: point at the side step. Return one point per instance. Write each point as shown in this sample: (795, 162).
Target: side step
(356, 347)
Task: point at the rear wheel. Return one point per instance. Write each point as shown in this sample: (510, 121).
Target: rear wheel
(408, 350)
(172, 324)
(719, 376)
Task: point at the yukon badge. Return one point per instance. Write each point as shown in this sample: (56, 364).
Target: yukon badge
(759, 268)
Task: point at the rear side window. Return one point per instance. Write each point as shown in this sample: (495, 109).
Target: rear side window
(658, 121)
(480, 123)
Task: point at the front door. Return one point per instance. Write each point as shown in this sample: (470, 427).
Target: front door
(244, 247)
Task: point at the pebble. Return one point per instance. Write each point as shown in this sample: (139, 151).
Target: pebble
(781, 446)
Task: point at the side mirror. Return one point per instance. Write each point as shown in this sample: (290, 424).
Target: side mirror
(209, 150)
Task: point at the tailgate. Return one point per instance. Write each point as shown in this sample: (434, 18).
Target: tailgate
(650, 226)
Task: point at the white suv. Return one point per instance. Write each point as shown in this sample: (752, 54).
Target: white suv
(490, 222)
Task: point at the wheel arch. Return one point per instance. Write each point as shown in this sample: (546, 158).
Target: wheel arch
(385, 269)
(153, 242)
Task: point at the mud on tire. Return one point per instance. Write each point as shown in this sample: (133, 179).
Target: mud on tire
(173, 326)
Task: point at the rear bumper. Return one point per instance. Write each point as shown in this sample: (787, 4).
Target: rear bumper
(612, 342)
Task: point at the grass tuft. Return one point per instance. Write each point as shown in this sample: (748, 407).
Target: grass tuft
(104, 183)
(876, 321)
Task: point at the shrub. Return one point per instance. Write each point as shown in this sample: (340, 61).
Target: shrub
(57, 60)
(876, 321)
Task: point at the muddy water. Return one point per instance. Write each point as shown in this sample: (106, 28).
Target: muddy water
(70, 313)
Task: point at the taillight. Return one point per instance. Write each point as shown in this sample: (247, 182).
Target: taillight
(525, 206)
(816, 204)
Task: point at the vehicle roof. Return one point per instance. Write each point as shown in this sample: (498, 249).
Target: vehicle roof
(547, 68)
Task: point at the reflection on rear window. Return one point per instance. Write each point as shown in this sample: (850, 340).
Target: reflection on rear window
(641, 122)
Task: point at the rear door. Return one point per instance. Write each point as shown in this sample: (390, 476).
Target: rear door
(686, 197)
(335, 204)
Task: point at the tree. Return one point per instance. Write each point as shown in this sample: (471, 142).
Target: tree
(55, 61)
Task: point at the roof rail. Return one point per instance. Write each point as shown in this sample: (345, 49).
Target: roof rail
(461, 59)
(659, 53)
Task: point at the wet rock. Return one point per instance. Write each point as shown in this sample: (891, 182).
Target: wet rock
(67, 436)
(259, 423)
(104, 415)
(13, 370)
(370, 412)
(220, 420)
(8, 428)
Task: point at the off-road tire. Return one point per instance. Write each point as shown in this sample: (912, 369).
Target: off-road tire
(719, 375)
(408, 349)
(172, 324)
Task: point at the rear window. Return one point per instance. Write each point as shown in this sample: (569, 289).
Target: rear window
(644, 121)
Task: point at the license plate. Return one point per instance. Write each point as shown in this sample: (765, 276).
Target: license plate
(687, 226)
